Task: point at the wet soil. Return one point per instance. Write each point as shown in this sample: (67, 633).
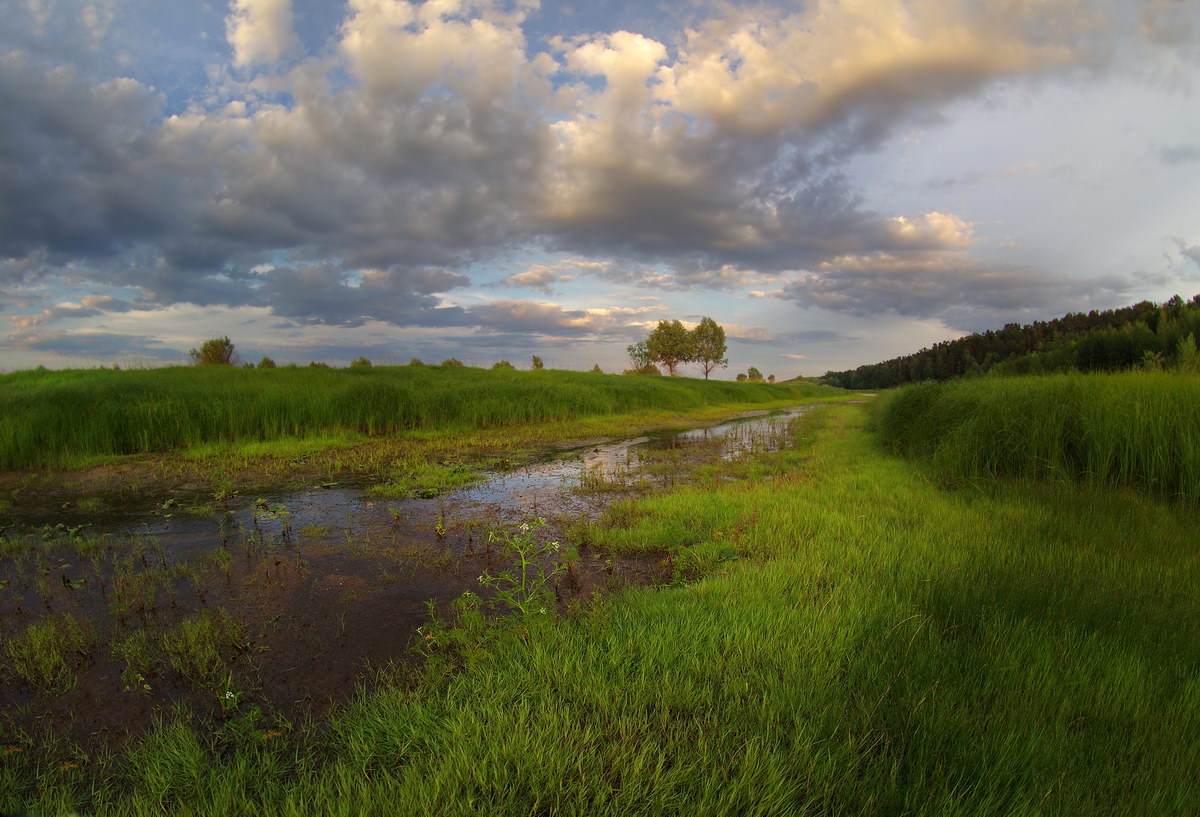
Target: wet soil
(322, 584)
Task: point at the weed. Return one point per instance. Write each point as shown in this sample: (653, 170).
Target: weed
(526, 587)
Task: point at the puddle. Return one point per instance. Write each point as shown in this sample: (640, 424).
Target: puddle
(324, 583)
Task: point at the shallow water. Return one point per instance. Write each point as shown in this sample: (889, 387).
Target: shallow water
(325, 582)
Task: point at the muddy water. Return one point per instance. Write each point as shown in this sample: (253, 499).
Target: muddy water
(323, 583)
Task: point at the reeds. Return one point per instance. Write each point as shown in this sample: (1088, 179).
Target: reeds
(1133, 429)
(61, 418)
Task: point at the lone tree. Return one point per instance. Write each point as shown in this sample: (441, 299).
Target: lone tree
(708, 345)
(214, 352)
(754, 374)
(670, 344)
(537, 363)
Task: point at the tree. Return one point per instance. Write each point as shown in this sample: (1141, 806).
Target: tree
(214, 352)
(597, 370)
(359, 361)
(754, 374)
(537, 363)
(503, 364)
(741, 377)
(415, 362)
(639, 355)
(670, 344)
(266, 363)
(452, 361)
(770, 378)
(708, 345)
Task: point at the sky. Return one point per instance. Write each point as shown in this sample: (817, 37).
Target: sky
(835, 182)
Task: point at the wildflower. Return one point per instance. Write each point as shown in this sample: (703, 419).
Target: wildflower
(228, 696)
(524, 527)
(542, 610)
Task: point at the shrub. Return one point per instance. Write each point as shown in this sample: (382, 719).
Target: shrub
(452, 361)
(502, 364)
(214, 352)
(359, 361)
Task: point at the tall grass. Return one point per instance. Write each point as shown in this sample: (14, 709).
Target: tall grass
(1133, 429)
(876, 646)
(59, 417)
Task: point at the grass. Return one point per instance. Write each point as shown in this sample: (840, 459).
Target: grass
(1134, 429)
(140, 411)
(199, 648)
(45, 654)
(854, 639)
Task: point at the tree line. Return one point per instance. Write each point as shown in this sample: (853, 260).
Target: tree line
(1147, 335)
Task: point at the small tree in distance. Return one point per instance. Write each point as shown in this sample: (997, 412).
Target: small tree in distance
(359, 361)
(537, 363)
(452, 361)
(503, 364)
(266, 363)
(754, 374)
(597, 370)
(708, 345)
(214, 352)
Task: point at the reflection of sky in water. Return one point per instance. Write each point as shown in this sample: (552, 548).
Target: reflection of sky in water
(540, 489)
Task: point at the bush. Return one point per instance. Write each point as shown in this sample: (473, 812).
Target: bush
(452, 361)
(359, 361)
(266, 363)
(214, 352)
(502, 364)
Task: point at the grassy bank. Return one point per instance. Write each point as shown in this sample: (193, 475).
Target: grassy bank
(864, 643)
(62, 418)
(1136, 429)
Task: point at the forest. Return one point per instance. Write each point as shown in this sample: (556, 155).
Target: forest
(1145, 335)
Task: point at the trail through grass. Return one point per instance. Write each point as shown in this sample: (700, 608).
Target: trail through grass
(862, 642)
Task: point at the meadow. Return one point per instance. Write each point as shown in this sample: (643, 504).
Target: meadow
(847, 632)
(1137, 429)
(75, 418)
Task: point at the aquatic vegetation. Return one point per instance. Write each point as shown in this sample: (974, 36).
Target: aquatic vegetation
(46, 653)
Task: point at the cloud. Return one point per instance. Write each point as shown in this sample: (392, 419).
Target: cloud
(427, 136)
(95, 345)
(1180, 154)
(260, 31)
(528, 317)
(88, 306)
(965, 293)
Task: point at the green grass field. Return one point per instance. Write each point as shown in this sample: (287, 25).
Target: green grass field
(847, 637)
(1136, 429)
(69, 418)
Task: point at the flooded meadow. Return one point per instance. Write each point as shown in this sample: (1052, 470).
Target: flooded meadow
(257, 611)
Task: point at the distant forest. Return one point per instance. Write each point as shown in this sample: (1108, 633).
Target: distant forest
(1148, 335)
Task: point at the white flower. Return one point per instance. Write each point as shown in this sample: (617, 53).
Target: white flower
(524, 527)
